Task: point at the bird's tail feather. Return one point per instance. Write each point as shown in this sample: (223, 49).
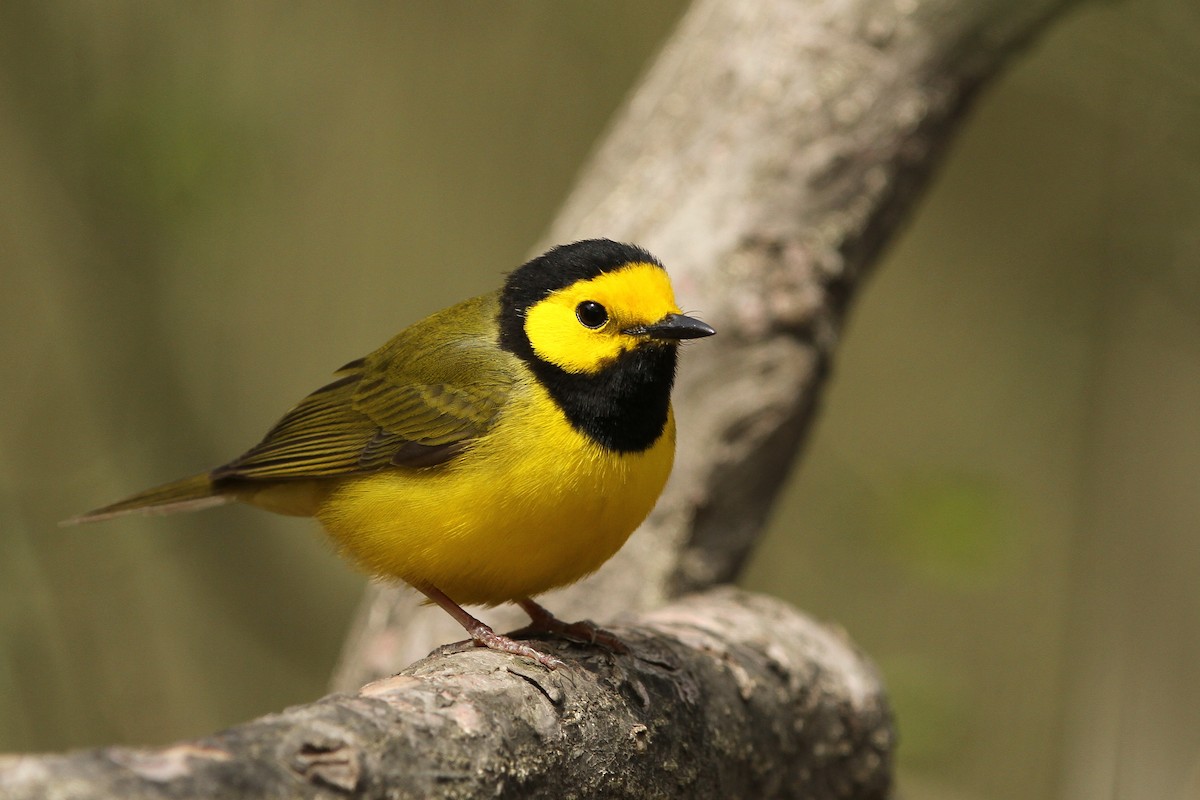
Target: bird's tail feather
(188, 494)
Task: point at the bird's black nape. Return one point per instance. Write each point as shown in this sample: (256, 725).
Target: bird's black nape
(564, 265)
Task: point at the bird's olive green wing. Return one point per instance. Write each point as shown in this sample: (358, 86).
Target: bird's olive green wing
(417, 401)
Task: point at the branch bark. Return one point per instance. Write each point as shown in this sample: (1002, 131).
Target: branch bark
(727, 694)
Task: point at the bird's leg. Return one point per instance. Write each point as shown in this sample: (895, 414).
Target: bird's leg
(482, 634)
(586, 631)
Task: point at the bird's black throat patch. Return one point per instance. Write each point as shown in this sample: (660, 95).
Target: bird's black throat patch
(624, 406)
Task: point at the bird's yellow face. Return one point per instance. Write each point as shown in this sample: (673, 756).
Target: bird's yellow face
(584, 327)
(596, 325)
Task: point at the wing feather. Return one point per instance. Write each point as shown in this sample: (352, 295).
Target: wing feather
(409, 404)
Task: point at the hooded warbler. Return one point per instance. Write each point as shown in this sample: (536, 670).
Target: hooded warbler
(502, 447)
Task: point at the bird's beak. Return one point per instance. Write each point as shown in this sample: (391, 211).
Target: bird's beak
(673, 326)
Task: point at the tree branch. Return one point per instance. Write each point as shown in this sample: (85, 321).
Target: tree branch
(726, 694)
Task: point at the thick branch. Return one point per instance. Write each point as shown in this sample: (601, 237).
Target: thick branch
(724, 695)
(767, 157)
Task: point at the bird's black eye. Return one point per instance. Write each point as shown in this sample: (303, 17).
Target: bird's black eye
(591, 314)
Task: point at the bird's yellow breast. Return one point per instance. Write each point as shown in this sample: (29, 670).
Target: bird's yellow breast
(533, 504)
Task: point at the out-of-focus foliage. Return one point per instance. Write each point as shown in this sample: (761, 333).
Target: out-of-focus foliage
(206, 208)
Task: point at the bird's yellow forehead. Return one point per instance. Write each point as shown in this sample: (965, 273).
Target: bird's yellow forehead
(635, 294)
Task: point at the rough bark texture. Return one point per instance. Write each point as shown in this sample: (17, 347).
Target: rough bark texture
(767, 157)
(724, 695)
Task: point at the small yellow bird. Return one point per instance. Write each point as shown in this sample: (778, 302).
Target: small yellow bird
(500, 448)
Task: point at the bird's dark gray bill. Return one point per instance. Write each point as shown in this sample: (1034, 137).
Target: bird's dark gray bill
(674, 326)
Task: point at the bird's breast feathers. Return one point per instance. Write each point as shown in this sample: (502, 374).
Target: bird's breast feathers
(531, 505)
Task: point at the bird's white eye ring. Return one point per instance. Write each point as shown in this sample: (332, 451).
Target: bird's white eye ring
(591, 314)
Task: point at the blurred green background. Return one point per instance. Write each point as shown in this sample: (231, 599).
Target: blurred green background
(205, 208)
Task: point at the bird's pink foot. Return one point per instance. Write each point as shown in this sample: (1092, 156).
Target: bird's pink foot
(483, 636)
(584, 631)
